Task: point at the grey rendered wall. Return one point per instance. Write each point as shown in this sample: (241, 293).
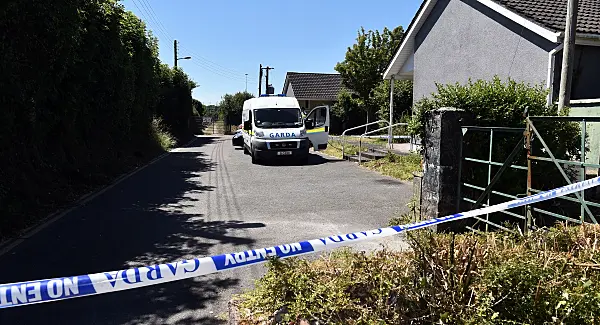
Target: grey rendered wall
(463, 39)
(290, 91)
(586, 73)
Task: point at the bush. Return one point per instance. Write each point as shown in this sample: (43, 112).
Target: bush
(499, 103)
(492, 103)
(547, 277)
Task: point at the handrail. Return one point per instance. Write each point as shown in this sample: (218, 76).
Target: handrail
(358, 127)
(381, 129)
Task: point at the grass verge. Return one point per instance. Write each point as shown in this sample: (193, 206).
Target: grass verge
(334, 149)
(401, 167)
(397, 166)
(551, 276)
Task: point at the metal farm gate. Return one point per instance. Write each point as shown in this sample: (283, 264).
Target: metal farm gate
(499, 164)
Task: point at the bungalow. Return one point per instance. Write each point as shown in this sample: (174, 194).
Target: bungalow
(316, 89)
(313, 89)
(450, 41)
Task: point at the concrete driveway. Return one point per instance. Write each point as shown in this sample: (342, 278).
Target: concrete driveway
(201, 200)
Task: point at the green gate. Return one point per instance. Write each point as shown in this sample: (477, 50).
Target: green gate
(484, 180)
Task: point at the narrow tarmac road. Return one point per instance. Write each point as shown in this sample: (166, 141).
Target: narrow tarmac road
(202, 200)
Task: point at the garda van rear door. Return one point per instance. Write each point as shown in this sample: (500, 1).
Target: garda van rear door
(317, 127)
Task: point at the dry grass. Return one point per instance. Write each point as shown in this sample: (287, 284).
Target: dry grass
(334, 149)
(400, 167)
(549, 277)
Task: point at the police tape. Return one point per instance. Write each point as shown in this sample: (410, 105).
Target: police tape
(34, 292)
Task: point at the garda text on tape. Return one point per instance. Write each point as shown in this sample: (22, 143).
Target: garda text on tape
(33, 292)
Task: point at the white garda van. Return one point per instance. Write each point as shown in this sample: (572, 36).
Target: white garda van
(274, 127)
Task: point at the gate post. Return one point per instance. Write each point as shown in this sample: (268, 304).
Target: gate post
(442, 163)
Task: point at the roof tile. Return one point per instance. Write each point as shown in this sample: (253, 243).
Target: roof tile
(324, 86)
(552, 13)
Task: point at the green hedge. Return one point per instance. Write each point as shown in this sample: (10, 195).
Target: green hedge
(80, 84)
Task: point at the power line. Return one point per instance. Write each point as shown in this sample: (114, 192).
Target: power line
(215, 65)
(145, 12)
(217, 72)
(148, 13)
(152, 14)
(149, 18)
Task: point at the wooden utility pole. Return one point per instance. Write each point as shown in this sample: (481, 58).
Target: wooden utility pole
(260, 80)
(175, 53)
(267, 78)
(566, 76)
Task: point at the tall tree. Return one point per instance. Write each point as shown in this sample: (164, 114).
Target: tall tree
(364, 64)
(230, 107)
(346, 104)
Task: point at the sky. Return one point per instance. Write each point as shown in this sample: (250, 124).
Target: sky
(230, 38)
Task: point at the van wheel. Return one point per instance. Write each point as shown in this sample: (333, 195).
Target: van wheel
(254, 158)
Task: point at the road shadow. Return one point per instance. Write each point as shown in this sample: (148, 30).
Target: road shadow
(144, 220)
(388, 181)
(313, 160)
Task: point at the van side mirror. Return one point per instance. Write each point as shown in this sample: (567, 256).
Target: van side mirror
(309, 123)
(247, 125)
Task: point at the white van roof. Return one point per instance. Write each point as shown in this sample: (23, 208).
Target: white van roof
(271, 102)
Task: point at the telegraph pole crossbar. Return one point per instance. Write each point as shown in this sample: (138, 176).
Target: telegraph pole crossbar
(266, 79)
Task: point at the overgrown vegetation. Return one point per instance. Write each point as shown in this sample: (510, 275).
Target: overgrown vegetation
(398, 166)
(551, 276)
(82, 94)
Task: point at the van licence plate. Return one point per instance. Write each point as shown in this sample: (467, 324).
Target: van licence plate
(284, 153)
